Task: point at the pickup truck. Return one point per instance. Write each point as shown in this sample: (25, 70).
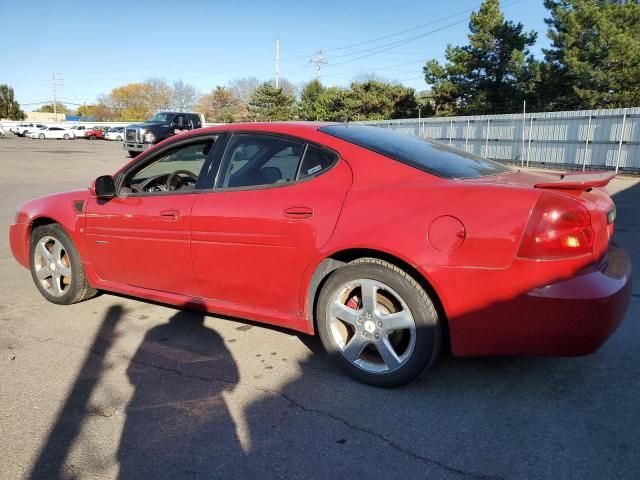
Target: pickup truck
(23, 129)
(140, 136)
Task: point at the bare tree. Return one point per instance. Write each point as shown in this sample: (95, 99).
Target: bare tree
(288, 88)
(159, 94)
(364, 77)
(183, 97)
(243, 88)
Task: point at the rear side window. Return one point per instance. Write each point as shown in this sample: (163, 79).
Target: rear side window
(259, 160)
(426, 155)
(316, 160)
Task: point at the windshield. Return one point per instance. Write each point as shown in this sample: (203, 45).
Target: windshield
(426, 155)
(159, 118)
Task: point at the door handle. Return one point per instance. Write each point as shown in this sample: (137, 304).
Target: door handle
(170, 215)
(297, 212)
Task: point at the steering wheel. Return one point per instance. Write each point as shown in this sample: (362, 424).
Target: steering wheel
(143, 186)
(174, 175)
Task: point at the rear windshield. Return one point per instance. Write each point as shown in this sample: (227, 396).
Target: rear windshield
(426, 155)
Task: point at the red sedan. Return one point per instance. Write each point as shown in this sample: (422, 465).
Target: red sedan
(387, 245)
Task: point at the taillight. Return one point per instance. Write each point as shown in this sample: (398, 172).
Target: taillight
(559, 227)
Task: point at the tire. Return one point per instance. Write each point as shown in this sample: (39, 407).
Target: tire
(133, 154)
(118, 138)
(414, 343)
(92, 137)
(41, 136)
(65, 136)
(62, 254)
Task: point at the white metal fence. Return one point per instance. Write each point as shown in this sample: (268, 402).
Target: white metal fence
(586, 139)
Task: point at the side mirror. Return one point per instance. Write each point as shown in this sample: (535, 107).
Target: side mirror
(104, 187)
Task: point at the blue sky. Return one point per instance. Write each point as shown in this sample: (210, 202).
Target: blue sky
(96, 46)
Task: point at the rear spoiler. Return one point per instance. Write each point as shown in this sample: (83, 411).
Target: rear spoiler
(578, 181)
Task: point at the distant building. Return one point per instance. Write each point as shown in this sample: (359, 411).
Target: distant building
(45, 117)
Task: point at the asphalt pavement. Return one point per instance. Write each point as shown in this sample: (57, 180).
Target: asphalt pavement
(122, 388)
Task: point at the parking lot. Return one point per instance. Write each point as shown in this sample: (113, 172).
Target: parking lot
(80, 385)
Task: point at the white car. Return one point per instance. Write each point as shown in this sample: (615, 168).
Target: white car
(116, 133)
(53, 132)
(23, 129)
(79, 130)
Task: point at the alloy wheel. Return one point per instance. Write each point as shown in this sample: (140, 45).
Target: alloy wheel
(52, 266)
(372, 326)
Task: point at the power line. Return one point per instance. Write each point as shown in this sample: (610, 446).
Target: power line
(388, 46)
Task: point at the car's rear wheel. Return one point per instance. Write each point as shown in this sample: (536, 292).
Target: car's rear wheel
(92, 137)
(41, 136)
(378, 323)
(118, 138)
(66, 136)
(133, 153)
(56, 268)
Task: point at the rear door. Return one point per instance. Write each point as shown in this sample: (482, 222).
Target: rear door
(276, 202)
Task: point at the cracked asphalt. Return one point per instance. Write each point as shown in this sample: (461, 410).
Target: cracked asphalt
(121, 388)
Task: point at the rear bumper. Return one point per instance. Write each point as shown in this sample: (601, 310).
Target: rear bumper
(18, 240)
(136, 147)
(569, 317)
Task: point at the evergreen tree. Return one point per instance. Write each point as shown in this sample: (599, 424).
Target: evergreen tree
(594, 60)
(268, 103)
(492, 74)
(312, 105)
(9, 107)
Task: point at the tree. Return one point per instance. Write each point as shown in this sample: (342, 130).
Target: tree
(268, 103)
(9, 107)
(312, 105)
(130, 102)
(221, 106)
(158, 95)
(375, 100)
(243, 88)
(99, 112)
(60, 108)
(492, 74)
(594, 59)
(183, 96)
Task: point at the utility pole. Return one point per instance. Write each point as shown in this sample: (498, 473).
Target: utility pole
(277, 63)
(319, 61)
(55, 84)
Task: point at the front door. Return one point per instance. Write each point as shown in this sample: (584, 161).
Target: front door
(275, 203)
(141, 237)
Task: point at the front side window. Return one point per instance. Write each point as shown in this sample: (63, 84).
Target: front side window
(259, 160)
(159, 118)
(177, 170)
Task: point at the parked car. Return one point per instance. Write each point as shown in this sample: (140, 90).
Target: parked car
(33, 132)
(141, 136)
(53, 132)
(387, 245)
(23, 129)
(2, 132)
(94, 133)
(115, 133)
(78, 130)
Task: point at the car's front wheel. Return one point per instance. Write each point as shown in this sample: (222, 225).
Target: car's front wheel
(378, 323)
(133, 154)
(66, 136)
(56, 268)
(118, 138)
(41, 136)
